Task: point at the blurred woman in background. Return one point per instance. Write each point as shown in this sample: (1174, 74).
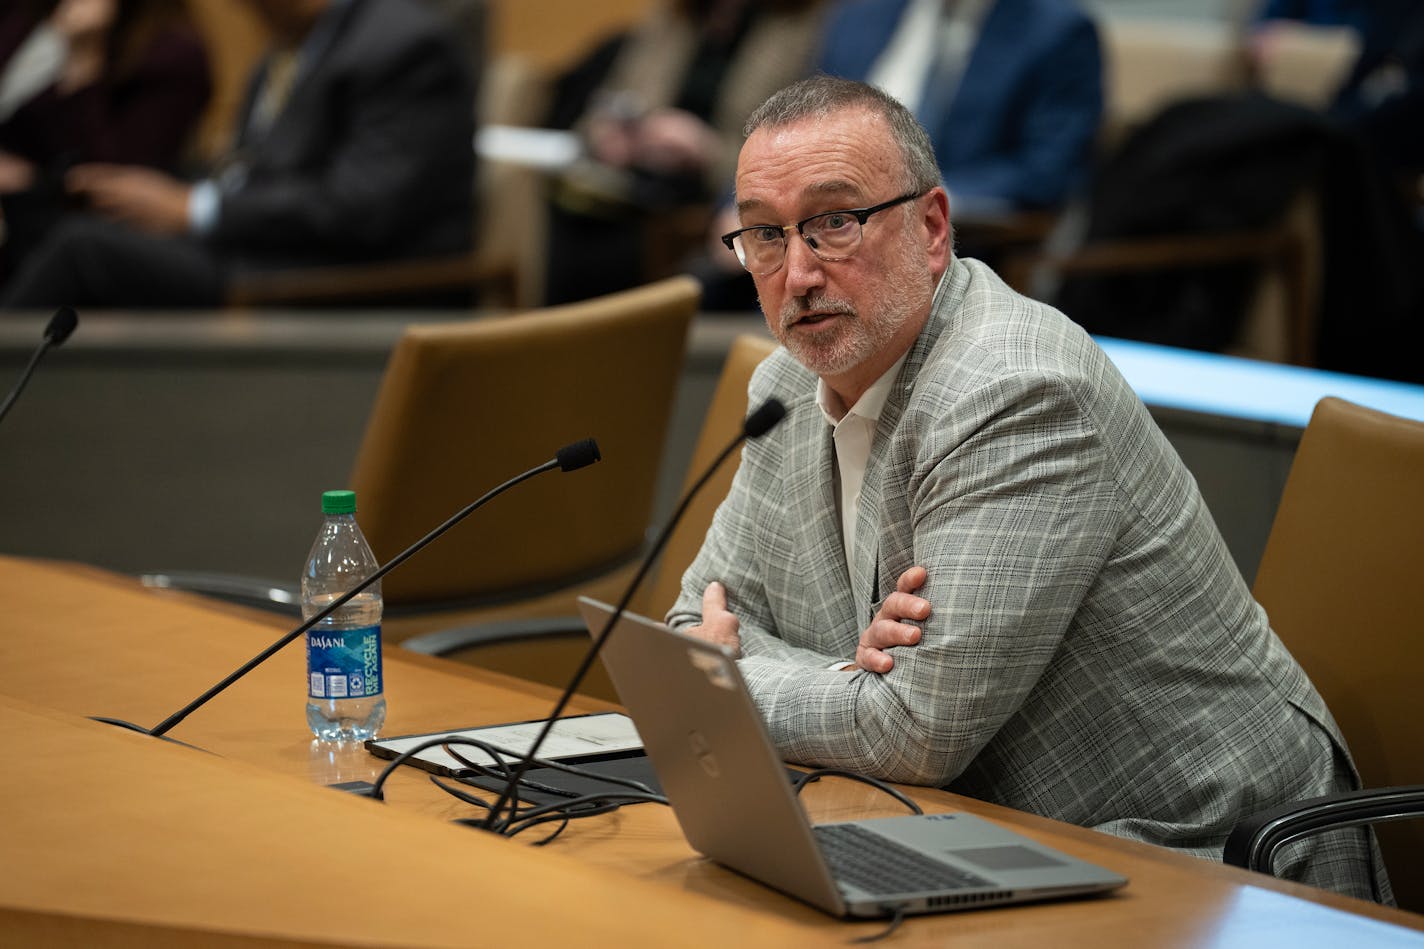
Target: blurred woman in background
(121, 81)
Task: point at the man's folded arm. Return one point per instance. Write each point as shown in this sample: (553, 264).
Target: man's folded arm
(723, 559)
(1012, 529)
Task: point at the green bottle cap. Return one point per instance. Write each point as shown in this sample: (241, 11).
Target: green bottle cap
(338, 502)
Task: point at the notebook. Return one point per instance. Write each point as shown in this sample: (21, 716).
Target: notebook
(729, 789)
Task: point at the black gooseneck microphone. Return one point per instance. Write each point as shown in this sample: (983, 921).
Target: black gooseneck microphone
(763, 420)
(56, 332)
(569, 458)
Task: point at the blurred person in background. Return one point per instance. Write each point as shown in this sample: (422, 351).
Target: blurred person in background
(89, 81)
(1011, 92)
(660, 108)
(1382, 96)
(355, 143)
(1372, 318)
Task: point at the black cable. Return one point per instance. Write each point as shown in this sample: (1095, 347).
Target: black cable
(576, 806)
(563, 825)
(811, 777)
(478, 824)
(653, 552)
(601, 803)
(414, 750)
(520, 817)
(474, 800)
(757, 424)
(554, 765)
(563, 819)
(894, 925)
(584, 805)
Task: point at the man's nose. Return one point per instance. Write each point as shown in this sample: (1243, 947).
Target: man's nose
(804, 270)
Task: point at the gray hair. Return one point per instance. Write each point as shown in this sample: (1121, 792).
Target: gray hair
(821, 95)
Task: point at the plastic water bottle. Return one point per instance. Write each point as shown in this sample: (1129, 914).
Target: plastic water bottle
(344, 676)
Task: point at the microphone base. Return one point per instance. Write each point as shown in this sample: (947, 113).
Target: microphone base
(119, 722)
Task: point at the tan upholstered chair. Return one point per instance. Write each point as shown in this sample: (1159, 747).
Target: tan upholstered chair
(235, 39)
(465, 406)
(723, 421)
(1339, 580)
(549, 651)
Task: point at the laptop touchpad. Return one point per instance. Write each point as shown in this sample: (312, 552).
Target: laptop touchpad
(1011, 857)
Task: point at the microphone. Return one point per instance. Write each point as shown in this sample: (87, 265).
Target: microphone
(56, 332)
(758, 424)
(763, 420)
(580, 454)
(572, 457)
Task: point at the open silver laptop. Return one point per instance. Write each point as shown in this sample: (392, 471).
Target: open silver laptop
(731, 794)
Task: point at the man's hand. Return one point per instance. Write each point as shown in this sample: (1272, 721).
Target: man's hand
(16, 174)
(673, 141)
(889, 628)
(718, 624)
(140, 197)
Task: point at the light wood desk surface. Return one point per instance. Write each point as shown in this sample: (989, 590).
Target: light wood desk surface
(116, 839)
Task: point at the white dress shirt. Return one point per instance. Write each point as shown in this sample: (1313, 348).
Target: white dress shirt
(933, 41)
(853, 431)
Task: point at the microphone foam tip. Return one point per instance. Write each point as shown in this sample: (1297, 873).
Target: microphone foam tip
(578, 455)
(764, 419)
(61, 325)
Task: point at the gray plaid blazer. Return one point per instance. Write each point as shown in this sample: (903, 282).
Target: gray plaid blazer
(1093, 655)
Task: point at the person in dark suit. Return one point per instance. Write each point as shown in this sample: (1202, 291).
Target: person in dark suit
(1011, 91)
(355, 143)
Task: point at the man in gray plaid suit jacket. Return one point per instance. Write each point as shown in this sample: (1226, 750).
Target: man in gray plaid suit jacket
(968, 557)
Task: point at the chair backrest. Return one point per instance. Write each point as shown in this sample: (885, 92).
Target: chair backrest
(725, 414)
(464, 406)
(1338, 581)
(510, 198)
(235, 38)
(1307, 63)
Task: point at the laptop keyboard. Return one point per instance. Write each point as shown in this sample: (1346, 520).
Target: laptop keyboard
(879, 865)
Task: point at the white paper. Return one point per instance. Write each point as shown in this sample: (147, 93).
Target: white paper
(578, 737)
(545, 149)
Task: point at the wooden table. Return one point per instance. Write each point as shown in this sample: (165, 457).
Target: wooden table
(113, 838)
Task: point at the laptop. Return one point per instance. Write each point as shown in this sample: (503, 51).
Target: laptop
(733, 798)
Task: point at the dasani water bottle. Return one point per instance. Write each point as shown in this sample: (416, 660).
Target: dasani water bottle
(344, 676)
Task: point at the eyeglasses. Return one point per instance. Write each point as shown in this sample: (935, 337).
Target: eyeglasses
(831, 235)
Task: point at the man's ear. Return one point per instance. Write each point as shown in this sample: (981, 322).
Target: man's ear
(937, 230)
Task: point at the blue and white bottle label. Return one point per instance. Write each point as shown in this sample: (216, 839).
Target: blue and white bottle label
(344, 663)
